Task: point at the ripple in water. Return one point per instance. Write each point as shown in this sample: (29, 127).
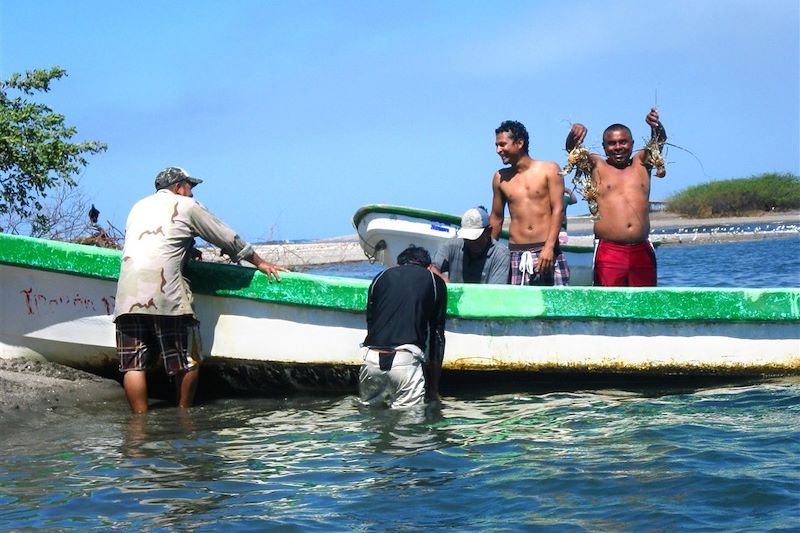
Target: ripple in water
(722, 458)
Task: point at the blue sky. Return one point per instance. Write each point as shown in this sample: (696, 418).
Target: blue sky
(298, 113)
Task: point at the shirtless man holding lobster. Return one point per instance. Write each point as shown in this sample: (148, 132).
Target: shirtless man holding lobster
(624, 257)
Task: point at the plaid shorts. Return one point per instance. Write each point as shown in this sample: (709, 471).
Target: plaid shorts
(141, 338)
(556, 277)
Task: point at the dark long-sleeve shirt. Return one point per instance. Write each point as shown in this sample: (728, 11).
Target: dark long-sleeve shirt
(407, 304)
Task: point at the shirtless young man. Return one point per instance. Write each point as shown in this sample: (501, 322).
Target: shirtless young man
(624, 257)
(534, 192)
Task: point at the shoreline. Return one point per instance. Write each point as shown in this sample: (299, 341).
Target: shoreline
(38, 387)
(661, 220)
(715, 229)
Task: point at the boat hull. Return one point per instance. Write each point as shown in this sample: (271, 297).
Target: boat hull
(304, 333)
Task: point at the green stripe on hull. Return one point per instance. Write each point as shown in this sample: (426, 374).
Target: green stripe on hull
(433, 216)
(206, 278)
(486, 302)
(58, 256)
(296, 289)
(625, 303)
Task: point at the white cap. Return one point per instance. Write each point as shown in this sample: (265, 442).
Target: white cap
(473, 223)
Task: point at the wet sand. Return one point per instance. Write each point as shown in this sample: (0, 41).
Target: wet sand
(33, 388)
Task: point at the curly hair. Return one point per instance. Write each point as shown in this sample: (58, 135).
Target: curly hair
(516, 130)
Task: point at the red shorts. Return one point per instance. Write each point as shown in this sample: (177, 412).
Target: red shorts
(143, 338)
(625, 265)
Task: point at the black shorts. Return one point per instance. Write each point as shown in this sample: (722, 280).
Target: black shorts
(142, 338)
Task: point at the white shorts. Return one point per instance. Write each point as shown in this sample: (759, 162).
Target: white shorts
(391, 380)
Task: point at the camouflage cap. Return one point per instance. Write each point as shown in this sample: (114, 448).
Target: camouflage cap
(172, 175)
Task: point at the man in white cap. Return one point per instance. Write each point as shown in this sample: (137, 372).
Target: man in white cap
(473, 256)
(153, 308)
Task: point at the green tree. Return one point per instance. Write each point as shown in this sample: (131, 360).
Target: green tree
(738, 197)
(36, 154)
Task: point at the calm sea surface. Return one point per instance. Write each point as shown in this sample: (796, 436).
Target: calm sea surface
(715, 459)
(765, 262)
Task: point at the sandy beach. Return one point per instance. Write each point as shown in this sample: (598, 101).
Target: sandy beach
(33, 388)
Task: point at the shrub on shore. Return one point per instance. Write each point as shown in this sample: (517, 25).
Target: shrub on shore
(738, 197)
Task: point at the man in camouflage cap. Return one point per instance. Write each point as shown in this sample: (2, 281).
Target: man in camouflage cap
(172, 175)
(153, 310)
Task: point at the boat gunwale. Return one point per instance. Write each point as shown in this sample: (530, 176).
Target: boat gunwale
(468, 302)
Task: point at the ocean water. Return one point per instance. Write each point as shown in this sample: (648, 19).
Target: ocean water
(766, 262)
(760, 262)
(722, 458)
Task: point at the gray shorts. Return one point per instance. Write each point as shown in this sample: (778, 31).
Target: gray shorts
(395, 380)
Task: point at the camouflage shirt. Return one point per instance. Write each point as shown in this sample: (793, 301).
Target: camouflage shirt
(158, 234)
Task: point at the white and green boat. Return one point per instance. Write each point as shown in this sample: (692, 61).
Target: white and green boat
(386, 230)
(304, 333)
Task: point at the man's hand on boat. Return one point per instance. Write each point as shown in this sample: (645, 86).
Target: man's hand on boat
(270, 269)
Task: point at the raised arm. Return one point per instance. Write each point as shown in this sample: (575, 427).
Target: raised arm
(657, 132)
(651, 154)
(575, 136)
(580, 160)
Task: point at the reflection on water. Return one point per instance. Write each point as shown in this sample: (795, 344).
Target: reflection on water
(608, 460)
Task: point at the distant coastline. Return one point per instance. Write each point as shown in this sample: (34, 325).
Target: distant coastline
(661, 219)
(669, 228)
